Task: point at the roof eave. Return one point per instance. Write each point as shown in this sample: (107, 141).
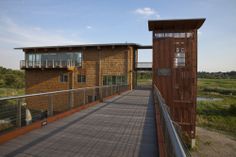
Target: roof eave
(175, 24)
(79, 46)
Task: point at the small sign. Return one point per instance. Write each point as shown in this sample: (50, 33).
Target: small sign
(163, 72)
(43, 123)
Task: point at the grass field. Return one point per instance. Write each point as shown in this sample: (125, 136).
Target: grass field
(144, 81)
(221, 114)
(10, 92)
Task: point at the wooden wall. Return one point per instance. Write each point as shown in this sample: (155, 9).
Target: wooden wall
(177, 84)
(97, 61)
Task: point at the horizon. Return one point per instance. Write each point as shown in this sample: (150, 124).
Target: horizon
(47, 23)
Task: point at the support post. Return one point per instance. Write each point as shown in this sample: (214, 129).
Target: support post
(50, 105)
(84, 96)
(101, 94)
(18, 122)
(94, 95)
(111, 89)
(71, 99)
(118, 88)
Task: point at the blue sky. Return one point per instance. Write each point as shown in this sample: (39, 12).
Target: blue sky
(57, 22)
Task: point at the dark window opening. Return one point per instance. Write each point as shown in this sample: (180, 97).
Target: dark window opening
(81, 78)
(114, 80)
(64, 78)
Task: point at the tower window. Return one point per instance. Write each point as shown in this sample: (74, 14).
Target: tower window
(179, 59)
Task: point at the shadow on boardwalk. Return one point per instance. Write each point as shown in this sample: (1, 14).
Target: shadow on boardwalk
(121, 126)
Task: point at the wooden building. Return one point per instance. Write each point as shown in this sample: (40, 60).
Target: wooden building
(52, 68)
(175, 67)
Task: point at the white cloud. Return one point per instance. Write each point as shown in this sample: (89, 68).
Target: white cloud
(14, 35)
(147, 12)
(89, 27)
(17, 35)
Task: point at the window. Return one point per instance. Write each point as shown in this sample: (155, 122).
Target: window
(81, 78)
(107, 80)
(114, 80)
(56, 58)
(179, 60)
(64, 78)
(173, 35)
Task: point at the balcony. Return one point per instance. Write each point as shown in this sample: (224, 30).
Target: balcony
(26, 64)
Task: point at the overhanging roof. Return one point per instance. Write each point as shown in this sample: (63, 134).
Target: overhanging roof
(175, 24)
(81, 46)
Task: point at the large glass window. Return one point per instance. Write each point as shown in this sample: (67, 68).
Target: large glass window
(173, 35)
(59, 58)
(114, 80)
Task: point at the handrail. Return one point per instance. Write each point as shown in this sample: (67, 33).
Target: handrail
(53, 92)
(19, 111)
(173, 144)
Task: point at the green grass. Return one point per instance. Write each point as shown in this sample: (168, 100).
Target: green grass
(218, 115)
(144, 82)
(4, 92)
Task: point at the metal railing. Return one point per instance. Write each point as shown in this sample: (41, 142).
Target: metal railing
(48, 64)
(18, 111)
(144, 65)
(174, 147)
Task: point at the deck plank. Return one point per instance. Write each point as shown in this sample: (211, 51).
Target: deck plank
(121, 126)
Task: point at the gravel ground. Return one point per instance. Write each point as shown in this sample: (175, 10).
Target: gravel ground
(214, 144)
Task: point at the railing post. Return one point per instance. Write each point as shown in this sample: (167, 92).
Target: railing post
(53, 63)
(50, 105)
(111, 90)
(94, 94)
(84, 96)
(18, 114)
(71, 99)
(106, 91)
(101, 94)
(46, 63)
(118, 88)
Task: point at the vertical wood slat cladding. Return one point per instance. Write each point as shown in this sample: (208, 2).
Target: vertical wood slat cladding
(179, 87)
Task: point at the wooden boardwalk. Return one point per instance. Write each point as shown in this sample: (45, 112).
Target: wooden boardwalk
(121, 126)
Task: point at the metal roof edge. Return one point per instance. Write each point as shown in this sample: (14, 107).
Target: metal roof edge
(82, 45)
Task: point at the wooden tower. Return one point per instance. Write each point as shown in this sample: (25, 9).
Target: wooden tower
(175, 67)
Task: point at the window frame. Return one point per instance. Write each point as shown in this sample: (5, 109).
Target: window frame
(81, 78)
(62, 78)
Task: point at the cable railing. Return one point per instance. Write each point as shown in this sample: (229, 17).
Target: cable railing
(173, 144)
(49, 64)
(19, 111)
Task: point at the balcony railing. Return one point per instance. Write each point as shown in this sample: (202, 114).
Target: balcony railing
(24, 64)
(19, 111)
(173, 144)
